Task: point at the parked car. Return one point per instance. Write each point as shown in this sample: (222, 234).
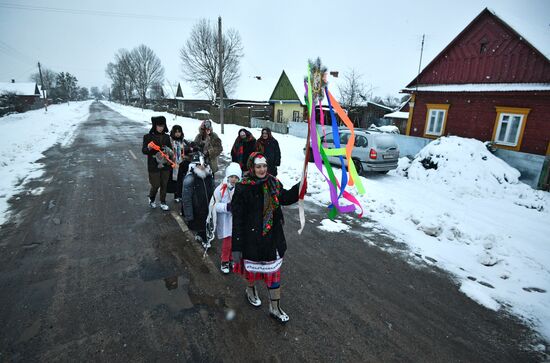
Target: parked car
(373, 151)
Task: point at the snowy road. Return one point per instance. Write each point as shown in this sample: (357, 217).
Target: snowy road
(87, 272)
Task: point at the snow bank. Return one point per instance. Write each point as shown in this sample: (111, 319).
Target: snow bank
(26, 136)
(468, 167)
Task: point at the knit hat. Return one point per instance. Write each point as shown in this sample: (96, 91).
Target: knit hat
(233, 169)
(260, 159)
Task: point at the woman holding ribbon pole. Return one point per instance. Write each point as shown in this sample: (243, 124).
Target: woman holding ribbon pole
(259, 243)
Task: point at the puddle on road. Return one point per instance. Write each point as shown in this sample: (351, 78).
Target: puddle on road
(172, 292)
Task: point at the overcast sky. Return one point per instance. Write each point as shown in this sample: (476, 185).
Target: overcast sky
(379, 39)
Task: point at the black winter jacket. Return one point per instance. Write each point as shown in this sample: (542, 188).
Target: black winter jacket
(196, 195)
(272, 152)
(247, 207)
(159, 139)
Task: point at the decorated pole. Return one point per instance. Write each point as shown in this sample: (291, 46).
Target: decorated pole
(316, 88)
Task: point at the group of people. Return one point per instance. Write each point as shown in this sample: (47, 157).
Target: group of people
(244, 210)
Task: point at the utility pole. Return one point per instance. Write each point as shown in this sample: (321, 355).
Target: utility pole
(420, 63)
(220, 66)
(42, 84)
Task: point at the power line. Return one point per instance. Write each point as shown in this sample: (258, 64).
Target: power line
(8, 49)
(91, 12)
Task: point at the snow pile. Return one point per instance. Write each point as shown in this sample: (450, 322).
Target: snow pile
(26, 136)
(468, 167)
(458, 161)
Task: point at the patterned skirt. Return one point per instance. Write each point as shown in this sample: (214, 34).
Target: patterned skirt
(268, 278)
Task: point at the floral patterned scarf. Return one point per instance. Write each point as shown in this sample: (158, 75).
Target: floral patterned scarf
(271, 188)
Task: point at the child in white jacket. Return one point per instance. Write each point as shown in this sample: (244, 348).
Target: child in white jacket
(220, 218)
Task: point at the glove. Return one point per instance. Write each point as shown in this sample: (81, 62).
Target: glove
(236, 255)
(228, 207)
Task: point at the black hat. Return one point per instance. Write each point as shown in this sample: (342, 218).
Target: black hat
(157, 121)
(198, 158)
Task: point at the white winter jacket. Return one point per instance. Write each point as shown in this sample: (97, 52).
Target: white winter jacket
(224, 220)
(219, 218)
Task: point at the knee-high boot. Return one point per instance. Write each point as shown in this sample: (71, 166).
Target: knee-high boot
(275, 310)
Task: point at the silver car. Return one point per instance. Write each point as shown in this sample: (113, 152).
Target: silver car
(373, 151)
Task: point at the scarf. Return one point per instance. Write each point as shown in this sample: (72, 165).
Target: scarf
(238, 148)
(271, 189)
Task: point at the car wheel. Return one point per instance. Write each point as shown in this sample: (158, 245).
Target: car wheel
(358, 166)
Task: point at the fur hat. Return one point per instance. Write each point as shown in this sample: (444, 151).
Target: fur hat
(157, 121)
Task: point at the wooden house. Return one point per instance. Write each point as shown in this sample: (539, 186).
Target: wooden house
(490, 83)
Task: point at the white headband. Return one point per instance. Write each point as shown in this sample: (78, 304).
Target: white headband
(260, 160)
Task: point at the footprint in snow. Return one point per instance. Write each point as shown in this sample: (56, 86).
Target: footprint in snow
(534, 289)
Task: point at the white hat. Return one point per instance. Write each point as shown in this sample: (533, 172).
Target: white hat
(260, 160)
(233, 169)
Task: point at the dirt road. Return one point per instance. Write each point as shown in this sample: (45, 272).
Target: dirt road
(89, 273)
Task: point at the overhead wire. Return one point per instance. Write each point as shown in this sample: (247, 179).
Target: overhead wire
(92, 12)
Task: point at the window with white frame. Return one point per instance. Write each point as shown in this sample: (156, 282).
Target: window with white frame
(436, 120)
(508, 129)
(296, 116)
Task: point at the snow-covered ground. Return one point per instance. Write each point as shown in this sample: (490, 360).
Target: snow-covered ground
(470, 217)
(25, 136)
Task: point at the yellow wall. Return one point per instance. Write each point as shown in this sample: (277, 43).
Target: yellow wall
(288, 110)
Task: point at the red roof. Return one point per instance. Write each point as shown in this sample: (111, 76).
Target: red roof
(488, 50)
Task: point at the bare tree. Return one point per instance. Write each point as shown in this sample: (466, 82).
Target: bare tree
(199, 57)
(121, 72)
(146, 70)
(353, 93)
(96, 93)
(391, 101)
(49, 77)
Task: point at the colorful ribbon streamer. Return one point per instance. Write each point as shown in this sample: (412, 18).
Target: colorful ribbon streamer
(320, 153)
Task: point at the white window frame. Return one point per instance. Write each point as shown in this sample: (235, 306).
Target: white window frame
(438, 111)
(507, 133)
(295, 116)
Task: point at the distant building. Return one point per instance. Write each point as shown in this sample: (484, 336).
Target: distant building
(399, 117)
(19, 96)
(287, 105)
(369, 113)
